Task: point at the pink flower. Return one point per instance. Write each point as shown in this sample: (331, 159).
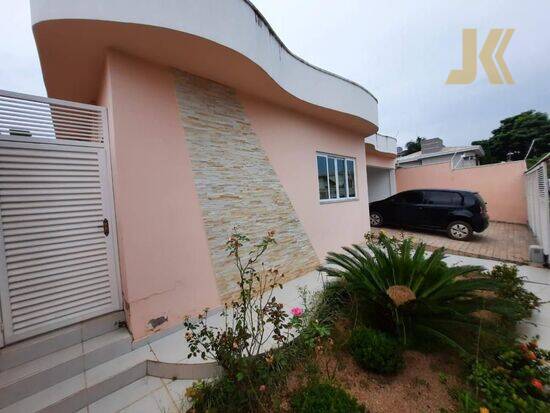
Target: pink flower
(297, 311)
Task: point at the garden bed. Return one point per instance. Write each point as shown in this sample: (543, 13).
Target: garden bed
(425, 385)
(398, 331)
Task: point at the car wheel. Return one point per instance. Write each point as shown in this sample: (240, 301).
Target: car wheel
(375, 219)
(460, 230)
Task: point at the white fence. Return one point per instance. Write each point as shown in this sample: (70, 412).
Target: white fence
(30, 116)
(538, 207)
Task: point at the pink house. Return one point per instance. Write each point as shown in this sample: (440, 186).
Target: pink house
(168, 124)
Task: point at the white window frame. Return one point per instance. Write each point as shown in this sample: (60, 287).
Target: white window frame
(346, 180)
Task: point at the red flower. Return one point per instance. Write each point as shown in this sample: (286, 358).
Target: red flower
(537, 384)
(530, 356)
(523, 347)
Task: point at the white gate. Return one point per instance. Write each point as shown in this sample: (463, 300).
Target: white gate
(58, 262)
(538, 203)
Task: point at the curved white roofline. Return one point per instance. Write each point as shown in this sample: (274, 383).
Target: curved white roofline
(235, 24)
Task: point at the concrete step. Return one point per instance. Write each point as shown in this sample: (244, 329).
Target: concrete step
(37, 347)
(30, 378)
(88, 386)
(148, 394)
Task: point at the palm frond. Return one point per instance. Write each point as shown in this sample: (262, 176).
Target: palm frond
(445, 298)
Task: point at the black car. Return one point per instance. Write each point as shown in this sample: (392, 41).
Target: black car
(460, 213)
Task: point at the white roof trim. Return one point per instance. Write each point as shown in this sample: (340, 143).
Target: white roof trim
(235, 24)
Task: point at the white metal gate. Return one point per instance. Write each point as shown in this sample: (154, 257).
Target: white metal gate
(538, 203)
(58, 262)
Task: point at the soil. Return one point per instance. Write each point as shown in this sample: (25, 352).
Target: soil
(423, 386)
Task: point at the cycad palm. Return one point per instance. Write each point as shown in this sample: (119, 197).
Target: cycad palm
(429, 299)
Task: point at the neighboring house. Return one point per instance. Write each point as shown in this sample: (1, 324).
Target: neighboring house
(433, 151)
(204, 121)
(381, 152)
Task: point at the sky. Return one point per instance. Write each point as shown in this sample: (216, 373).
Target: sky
(400, 50)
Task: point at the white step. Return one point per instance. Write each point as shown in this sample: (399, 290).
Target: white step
(36, 375)
(87, 387)
(148, 394)
(36, 347)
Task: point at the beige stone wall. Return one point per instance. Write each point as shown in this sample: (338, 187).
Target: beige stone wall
(236, 183)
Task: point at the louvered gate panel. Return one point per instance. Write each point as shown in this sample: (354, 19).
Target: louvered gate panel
(59, 265)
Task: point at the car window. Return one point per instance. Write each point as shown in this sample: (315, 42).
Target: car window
(410, 197)
(442, 198)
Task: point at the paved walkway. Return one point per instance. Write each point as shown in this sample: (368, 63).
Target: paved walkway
(501, 241)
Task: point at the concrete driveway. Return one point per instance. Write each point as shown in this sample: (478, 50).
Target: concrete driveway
(501, 241)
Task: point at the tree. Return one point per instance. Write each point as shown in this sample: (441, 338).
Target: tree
(412, 146)
(512, 139)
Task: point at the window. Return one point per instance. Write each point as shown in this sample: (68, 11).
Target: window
(409, 197)
(336, 177)
(442, 198)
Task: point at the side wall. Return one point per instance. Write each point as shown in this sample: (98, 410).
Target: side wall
(193, 158)
(501, 185)
(164, 257)
(291, 141)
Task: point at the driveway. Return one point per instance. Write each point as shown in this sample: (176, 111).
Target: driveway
(501, 241)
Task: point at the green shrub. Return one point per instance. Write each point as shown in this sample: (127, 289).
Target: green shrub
(260, 381)
(324, 398)
(416, 295)
(376, 351)
(512, 288)
(218, 396)
(513, 382)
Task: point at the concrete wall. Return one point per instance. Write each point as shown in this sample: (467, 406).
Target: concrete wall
(191, 159)
(501, 185)
(381, 183)
(164, 257)
(291, 141)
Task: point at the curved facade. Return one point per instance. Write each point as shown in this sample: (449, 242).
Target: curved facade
(234, 25)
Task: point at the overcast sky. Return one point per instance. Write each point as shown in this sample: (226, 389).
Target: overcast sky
(402, 51)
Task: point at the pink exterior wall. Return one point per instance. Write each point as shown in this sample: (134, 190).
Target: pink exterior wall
(164, 258)
(165, 263)
(376, 159)
(291, 141)
(501, 185)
